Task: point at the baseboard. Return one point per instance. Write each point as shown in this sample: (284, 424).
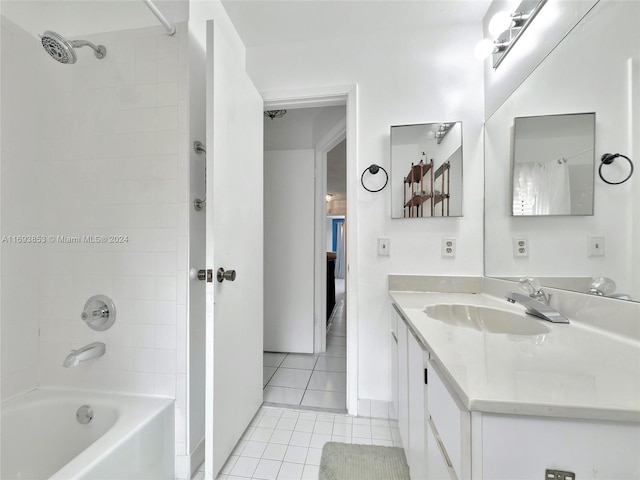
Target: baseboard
(374, 408)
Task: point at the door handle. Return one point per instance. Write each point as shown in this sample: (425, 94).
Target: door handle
(201, 274)
(226, 275)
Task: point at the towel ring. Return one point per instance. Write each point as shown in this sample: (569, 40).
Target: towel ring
(374, 169)
(607, 159)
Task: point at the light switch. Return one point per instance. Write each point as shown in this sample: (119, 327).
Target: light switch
(596, 246)
(383, 246)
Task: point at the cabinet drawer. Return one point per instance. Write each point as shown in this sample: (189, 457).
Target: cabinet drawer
(452, 422)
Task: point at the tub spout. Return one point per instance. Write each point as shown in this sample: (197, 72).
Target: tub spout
(93, 350)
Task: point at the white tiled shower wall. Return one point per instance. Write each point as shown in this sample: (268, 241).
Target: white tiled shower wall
(101, 149)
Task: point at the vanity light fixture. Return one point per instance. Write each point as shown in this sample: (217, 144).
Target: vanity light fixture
(275, 113)
(505, 29)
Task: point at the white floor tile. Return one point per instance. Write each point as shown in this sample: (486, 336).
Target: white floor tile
(290, 377)
(270, 359)
(244, 467)
(343, 419)
(254, 449)
(281, 436)
(342, 429)
(361, 421)
(229, 464)
(267, 469)
(361, 431)
(238, 448)
(291, 471)
(300, 439)
(262, 434)
(287, 396)
(341, 439)
(335, 351)
(290, 414)
(275, 451)
(330, 381)
(300, 360)
(381, 433)
(304, 425)
(318, 440)
(331, 364)
(361, 441)
(323, 427)
(286, 423)
(248, 432)
(311, 472)
(336, 340)
(308, 416)
(267, 373)
(323, 399)
(325, 417)
(296, 454)
(379, 422)
(383, 443)
(268, 422)
(313, 456)
(271, 411)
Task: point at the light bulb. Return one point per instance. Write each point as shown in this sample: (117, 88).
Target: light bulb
(500, 22)
(484, 48)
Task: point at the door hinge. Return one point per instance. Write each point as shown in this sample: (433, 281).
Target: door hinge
(426, 377)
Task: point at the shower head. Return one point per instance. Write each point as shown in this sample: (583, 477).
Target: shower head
(63, 50)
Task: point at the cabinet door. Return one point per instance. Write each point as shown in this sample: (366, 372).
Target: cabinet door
(417, 409)
(403, 387)
(393, 414)
(437, 467)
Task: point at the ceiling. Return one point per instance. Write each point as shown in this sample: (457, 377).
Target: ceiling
(265, 22)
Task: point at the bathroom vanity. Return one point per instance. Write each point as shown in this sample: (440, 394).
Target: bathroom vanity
(483, 391)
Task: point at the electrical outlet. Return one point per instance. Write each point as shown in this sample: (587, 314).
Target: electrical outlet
(595, 246)
(383, 246)
(449, 247)
(520, 247)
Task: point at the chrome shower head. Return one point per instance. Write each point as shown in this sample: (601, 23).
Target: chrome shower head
(63, 50)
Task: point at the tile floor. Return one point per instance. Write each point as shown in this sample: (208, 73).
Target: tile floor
(286, 443)
(317, 381)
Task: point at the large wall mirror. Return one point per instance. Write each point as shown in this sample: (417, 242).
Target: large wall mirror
(553, 164)
(587, 72)
(426, 170)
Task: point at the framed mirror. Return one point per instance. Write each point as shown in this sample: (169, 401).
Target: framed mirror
(553, 164)
(582, 74)
(426, 170)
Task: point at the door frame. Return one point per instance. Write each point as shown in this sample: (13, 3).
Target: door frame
(325, 97)
(322, 148)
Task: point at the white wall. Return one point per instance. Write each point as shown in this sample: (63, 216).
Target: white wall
(103, 139)
(403, 77)
(588, 72)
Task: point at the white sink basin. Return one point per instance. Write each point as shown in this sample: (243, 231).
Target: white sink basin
(486, 319)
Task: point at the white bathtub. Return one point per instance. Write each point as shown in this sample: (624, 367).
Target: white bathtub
(130, 437)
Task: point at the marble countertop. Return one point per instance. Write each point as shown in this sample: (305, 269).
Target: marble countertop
(573, 371)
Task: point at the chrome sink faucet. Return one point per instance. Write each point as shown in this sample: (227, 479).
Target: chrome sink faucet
(537, 308)
(532, 286)
(93, 350)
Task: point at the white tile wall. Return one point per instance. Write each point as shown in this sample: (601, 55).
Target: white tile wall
(96, 148)
(20, 211)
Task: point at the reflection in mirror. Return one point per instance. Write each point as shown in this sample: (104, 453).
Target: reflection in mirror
(553, 165)
(586, 72)
(426, 170)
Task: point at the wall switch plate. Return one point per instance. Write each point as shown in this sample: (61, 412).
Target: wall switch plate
(383, 246)
(595, 246)
(520, 247)
(559, 475)
(449, 247)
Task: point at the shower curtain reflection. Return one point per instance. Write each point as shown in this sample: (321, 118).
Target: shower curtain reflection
(542, 188)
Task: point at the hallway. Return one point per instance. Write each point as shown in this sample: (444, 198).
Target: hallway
(317, 381)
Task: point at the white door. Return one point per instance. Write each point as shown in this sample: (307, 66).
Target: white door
(289, 189)
(234, 233)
